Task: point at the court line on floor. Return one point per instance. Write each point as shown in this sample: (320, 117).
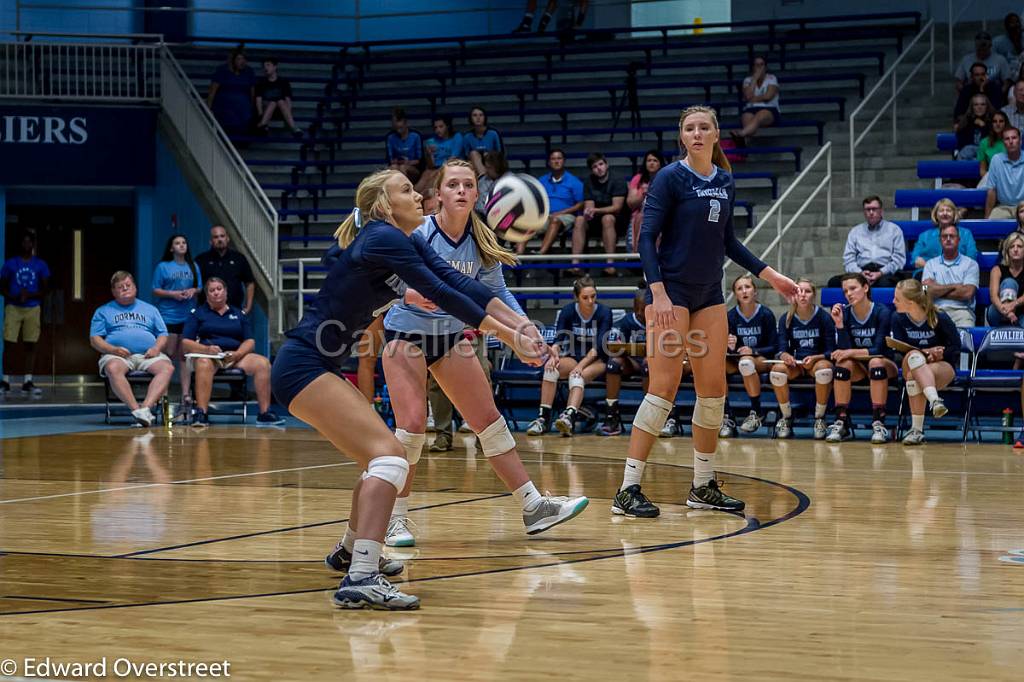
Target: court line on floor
(753, 524)
(182, 482)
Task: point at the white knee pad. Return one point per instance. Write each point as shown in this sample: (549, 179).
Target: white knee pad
(778, 378)
(747, 366)
(496, 439)
(708, 413)
(412, 442)
(392, 469)
(823, 376)
(916, 359)
(576, 381)
(913, 388)
(652, 414)
(551, 374)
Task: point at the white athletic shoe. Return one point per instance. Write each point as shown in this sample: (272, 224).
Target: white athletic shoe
(728, 429)
(939, 408)
(564, 423)
(538, 427)
(783, 429)
(820, 428)
(373, 592)
(552, 511)
(752, 423)
(399, 533)
(144, 417)
(670, 429)
(879, 434)
(915, 437)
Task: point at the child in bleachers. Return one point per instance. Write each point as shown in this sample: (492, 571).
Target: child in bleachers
(752, 340)
(992, 143)
(443, 145)
(807, 337)
(973, 127)
(480, 139)
(930, 367)
(861, 353)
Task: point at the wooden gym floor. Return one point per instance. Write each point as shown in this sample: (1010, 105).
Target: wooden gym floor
(853, 562)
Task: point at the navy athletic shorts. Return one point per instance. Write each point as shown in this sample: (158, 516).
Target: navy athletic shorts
(434, 347)
(693, 297)
(295, 367)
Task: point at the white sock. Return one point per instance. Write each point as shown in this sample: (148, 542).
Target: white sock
(786, 409)
(611, 401)
(28, 378)
(348, 540)
(401, 507)
(365, 559)
(917, 422)
(819, 410)
(703, 468)
(633, 472)
(931, 394)
(528, 496)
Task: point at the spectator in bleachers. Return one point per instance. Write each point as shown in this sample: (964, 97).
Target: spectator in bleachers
(929, 245)
(443, 145)
(930, 367)
(760, 102)
(214, 328)
(549, 11)
(404, 147)
(176, 283)
(431, 204)
(1006, 284)
(992, 143)
(565, 199)
(952, 279)
(604, 197)
(638, 185)
(495, 166)
(578, 354)
(130, 336)
(807, 337)
(232, 94)
(1005, 179)
(1014, 108)
(231, 266)
(1011, 43)
(480, 139)
(972, 127)
(874, 248)
(998, 67)
(632, 328)
(753, 339)
(274, 98)
(978, 85)
(861, 353)
(24, 279)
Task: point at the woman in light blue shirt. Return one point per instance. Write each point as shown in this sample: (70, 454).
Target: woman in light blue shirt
(927, 245)
(176, 282)
(480, 139)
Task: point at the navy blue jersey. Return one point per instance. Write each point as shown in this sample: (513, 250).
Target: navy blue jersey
(816, 336)
(227, 330)
(576, 336)
(868, 333)
(759, 332)
(692, 215)
(921, 335)
(368, 275)
(629, 330)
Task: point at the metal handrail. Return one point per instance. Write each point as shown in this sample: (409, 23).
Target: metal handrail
(890, 76)
(93, 72)
(251, 212)
(776, 208)
(134, 37)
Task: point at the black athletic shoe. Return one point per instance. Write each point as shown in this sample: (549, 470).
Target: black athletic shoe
(630, 501)
(4, 387)
(710, 496)
(612, 425)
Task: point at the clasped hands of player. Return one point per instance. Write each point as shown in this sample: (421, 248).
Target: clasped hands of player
(665, 314)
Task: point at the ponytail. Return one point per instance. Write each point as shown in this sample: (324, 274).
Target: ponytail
(372, 203)
(719, 158)
(914, 292)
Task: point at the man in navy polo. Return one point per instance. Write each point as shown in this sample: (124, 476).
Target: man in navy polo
(23, 281)
(565, 198)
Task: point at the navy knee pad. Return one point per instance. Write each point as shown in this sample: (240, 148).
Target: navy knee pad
(841, 373)
(876, 373)
(614, 366)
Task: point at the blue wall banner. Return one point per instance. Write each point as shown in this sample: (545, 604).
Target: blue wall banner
(77, 145)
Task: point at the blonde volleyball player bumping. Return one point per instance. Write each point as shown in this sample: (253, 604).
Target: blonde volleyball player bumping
(689, 206)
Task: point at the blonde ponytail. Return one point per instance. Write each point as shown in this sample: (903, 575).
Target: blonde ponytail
(718, 156)
(372, 203)
(914, 292)
(491, 252)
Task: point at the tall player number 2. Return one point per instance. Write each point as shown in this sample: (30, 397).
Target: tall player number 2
(716, 210)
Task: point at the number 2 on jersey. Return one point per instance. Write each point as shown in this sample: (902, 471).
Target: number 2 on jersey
(716, 210)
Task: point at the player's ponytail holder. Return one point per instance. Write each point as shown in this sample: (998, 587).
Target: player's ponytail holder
(357, 218)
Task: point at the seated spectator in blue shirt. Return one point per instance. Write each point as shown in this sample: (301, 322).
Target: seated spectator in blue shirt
(875, 248)
(232, 94)
(479, 140)
(928, 244)
(565, 198)
(1005, 179)
(176, 283)
(445, 144)
(952, 279)
(130, 336)
(214, 328)
(23, 282)
(404, 147)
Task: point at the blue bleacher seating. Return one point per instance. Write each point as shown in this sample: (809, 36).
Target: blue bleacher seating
(915, 199)
(952, 170)
(945, 142)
